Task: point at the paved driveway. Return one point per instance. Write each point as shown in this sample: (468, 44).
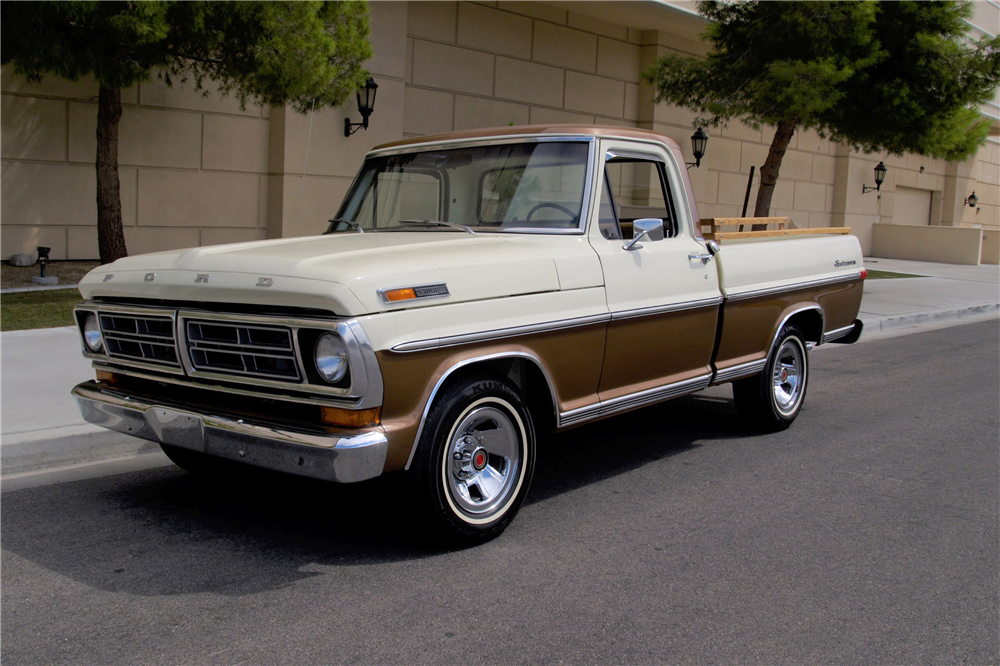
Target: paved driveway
(867, 533)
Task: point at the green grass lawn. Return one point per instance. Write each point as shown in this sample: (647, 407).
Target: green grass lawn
(38, 309)
(888, 275)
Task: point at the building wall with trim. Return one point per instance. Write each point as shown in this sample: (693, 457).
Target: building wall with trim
(197, 169)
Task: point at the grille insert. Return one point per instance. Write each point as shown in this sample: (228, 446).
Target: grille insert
(141, 338)
(242, 349)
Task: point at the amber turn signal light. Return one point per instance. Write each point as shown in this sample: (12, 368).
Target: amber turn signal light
(107, 377)
(400, 294)
(353, 418)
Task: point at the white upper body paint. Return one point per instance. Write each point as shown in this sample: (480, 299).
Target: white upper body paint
(494, 279)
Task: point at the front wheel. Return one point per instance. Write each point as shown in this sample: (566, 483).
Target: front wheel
(475, 458)
(772, 399)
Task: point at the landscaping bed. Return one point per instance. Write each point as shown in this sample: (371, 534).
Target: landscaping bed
(68, 272)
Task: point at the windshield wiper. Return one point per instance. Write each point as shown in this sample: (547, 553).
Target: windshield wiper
(438, 223)
(352, 225)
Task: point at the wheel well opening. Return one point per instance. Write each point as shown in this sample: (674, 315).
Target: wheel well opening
(810, 322)
(526, 376)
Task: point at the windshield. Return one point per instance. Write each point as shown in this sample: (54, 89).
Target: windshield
(536, 186)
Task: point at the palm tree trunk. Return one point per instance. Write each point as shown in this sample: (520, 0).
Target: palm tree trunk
(769, 172)
(110, 236)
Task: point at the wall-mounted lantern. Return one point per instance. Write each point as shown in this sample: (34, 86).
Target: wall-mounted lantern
(365, 108)
(972, 200)
(699, 141)
(880, 172)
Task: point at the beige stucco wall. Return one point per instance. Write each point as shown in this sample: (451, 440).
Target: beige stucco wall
(199, 170)
(991, 247)
(947, 245)
(193, 170)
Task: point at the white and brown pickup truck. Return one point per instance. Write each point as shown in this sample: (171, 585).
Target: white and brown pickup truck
(474, 291)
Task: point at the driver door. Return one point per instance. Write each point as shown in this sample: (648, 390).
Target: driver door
(663, 294)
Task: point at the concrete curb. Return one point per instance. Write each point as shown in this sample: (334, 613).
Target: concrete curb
(21, 290)
(933, 317)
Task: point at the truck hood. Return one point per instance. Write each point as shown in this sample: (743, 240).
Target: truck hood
(343, 272)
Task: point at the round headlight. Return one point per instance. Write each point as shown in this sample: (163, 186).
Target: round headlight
(331, 358)
(92, 333)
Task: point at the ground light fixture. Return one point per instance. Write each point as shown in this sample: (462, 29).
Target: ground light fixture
(365, 108)
(43, 257)
(880, 172)
(699, 141)
(972, 200)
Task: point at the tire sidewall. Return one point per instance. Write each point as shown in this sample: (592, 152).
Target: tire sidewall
(767, 377)
(433, 467)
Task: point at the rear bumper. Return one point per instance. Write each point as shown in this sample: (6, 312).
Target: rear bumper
(343, 457)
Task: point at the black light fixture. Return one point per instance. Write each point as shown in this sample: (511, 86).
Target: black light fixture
(364, 108)
(972, 200)
(43, 259)
(880, 172)
(699, 141)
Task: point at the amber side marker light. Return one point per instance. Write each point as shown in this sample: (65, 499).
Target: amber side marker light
(353, 418)
(107, 377)
(400, 294)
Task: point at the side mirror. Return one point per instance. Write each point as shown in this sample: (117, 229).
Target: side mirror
(650, 227)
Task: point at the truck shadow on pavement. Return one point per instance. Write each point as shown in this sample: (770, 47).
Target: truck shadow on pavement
(168, 532)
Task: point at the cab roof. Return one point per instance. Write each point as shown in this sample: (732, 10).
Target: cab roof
(599, 131)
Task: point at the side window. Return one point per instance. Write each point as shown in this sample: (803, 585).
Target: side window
(638, 189)
(607, 219)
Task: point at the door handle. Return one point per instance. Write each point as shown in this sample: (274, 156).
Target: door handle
(705, 258)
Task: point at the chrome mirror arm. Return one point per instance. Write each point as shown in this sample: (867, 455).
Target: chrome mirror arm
(633, 244)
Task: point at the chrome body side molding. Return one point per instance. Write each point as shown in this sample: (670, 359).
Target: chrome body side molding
(838, 333)
(738, 371)
(661, 309)
(809, 284)
(500, 333)
(632, 400)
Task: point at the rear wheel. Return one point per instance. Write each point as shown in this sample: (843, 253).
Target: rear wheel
(772, 399)
(475, 459)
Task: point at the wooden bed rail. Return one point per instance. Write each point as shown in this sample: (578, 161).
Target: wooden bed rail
(717, 228)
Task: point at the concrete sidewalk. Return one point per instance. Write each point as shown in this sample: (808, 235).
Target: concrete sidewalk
(946, 292)
(41, 428)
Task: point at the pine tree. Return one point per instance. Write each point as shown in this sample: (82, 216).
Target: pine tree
(882, 76)
(298, 53)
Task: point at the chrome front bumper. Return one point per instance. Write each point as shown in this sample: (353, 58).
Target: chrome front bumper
(343, 458)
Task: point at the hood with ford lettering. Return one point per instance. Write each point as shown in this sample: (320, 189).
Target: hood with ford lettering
(343, 272)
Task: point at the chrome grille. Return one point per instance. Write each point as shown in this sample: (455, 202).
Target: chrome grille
(140, 337)
(242, 349)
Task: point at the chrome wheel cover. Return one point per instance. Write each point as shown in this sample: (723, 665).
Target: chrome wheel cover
(483, 461)
(788, 376)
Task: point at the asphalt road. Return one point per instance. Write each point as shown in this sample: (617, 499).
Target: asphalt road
(867, 533)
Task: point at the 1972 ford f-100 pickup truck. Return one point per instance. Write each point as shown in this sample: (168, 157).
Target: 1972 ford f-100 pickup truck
(475, 289)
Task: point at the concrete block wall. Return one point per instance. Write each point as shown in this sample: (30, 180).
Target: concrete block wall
(192, 168)
(473, 65)
(199, 170)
